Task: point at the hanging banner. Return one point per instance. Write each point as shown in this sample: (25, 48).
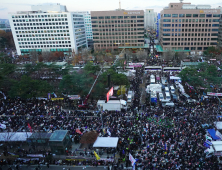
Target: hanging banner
(132, 160)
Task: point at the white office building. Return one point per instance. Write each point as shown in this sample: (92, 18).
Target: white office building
(48, 28)
(150, 19)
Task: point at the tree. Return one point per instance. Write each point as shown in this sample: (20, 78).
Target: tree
(34, 57)
(89, 137)
(212, 52)
(168, 55)
(91, 69)
(141, 55)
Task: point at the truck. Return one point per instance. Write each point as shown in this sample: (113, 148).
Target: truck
(111, 105)
(130, 97)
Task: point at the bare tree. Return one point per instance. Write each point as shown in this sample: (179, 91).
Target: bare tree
(181, 56)
(46, 55)
(141, 55)
(33, 56)
(86, 53)
(168, 55)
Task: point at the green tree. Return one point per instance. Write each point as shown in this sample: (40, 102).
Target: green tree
(91, 69)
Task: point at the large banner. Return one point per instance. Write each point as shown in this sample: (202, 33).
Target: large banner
(132, 160)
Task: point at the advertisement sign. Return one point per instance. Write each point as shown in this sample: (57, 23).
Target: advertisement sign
(74, 97)
(132, 160)
(110, 93)
(214, 94)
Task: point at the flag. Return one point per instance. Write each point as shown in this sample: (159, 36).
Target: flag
(104, 131)
(206, 145)
(208, 142)
(78, 131)
(97, 156)
(30, 128)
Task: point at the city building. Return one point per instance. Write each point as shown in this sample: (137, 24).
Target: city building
(220, 29)
(48, 28)
(150, 19)
(4, 25)
(158, 25)
(88, 27)
(113, 29)
(188, 27)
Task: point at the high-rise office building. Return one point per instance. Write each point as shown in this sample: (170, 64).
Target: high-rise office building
(88, 27)
(48, 28)
(112, 29)
(189, 27)
(150, 19)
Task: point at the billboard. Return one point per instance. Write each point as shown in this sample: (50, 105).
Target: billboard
(110, 93)
(214, 94)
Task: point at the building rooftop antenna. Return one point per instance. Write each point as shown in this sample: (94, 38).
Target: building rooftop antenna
(119, 4)
(181, 1)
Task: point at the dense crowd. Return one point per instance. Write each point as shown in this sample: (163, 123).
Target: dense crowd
(158, 138)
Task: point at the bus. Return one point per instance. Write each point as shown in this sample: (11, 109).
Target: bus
(152, 79)
(172, 69)
(153, 68)
(168, 96)
(129, 68)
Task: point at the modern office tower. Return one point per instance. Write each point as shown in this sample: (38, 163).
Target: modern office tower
(150, 19)
(4, 25)
(158, 26)
(88, 27)
(48, 28)
(220, 29)
(112, 29)
(189, 27)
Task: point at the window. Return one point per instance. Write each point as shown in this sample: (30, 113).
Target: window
(107, 17)
(215, 25)
(167, 20)
(131, 16)
(216, 15)
(195, 15)
(188, 15)
(174, 15)
(140, 16)
(216, 20)
(181, 15)
(101, 17)
(166, 25)
(208, 15)
(214, 29)
(167, 15)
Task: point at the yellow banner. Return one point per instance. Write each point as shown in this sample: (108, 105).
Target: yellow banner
(97, 156)
(57, 99)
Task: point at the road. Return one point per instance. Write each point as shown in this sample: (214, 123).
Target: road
(57, 167)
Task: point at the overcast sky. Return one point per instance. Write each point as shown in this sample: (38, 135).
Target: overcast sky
(95, 5)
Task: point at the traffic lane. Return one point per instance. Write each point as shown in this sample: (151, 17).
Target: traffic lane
(57, 167)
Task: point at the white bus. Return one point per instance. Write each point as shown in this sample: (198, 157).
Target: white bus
(152, 79)
(172, 69)
(153, 68)
(172, 89)
(168, 96)
(161, 97)
(167, 90)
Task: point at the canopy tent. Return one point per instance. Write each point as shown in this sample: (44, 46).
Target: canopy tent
(14, 136)
(174, 78)
(219, 125)
(212, 132)
(106, 142)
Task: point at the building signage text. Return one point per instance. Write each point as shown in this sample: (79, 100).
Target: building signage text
(208, 11)
(125, 13)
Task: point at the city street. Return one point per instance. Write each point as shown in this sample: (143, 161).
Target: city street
(56, 167)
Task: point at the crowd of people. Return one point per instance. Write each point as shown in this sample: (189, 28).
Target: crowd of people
(158, 138)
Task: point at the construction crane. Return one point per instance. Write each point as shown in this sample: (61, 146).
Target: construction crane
(85, 105)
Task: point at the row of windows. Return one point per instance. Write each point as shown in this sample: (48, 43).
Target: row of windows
(190, 30)
(38, 20)
(194, 20)
(39, 16)
(43, 46)
(57, 27)
(190, 39)
(192, 15)
(119, 41)
(47, 42)
(193, 25)
(117, 33)
(45, 31)
(122, 25)
(190, 34)
(117, 17)
(192, 43)
(116, 45)
(119, 21)
(42, 35)
(33, 24)
(43, 39)
(120, 29)
(120, 37)
(183, 20)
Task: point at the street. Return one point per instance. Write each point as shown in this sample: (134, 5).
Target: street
(55, 167)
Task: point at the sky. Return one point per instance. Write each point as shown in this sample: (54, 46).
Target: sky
(11, 6)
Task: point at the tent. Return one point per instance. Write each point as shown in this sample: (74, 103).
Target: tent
(212, 132)
(219, 125)
(174, 78)
(106, 142)
(14, 136)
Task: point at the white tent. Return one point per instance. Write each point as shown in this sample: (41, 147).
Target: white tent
(106, 142)
(14, 136)
(174, 78)
(219, 125)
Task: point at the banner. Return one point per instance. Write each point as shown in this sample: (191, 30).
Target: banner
(74, 97)
(218, 134)
(96, 155)
(2, 126)
(132, 160)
